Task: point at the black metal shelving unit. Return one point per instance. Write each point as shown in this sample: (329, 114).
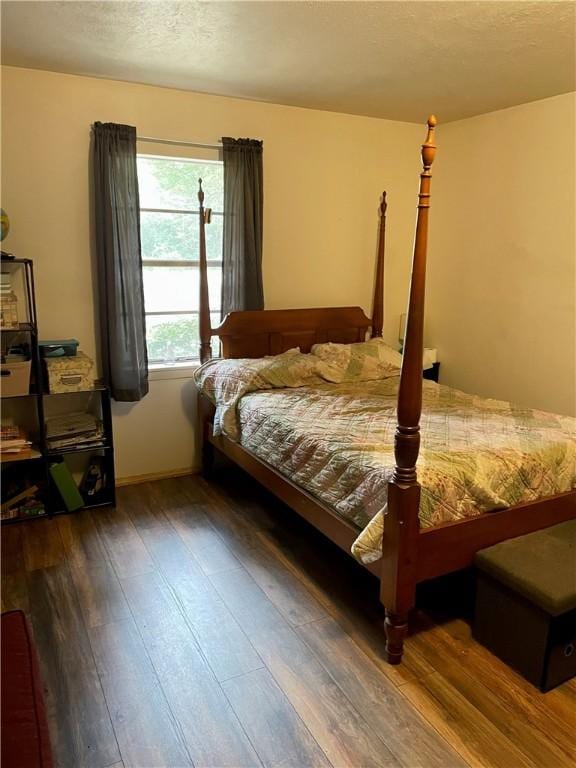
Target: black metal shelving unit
(40, 400)
(100, 398)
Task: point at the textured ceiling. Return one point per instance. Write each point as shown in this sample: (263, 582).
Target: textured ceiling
(397, 60)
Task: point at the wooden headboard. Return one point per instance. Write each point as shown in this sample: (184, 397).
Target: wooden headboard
(272, 331)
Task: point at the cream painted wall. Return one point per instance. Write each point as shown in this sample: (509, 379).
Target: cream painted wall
(501, 296)
(323, 175)
(501, 304)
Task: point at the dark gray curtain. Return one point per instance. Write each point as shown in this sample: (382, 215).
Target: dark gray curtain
(242, 246)
(119, 263)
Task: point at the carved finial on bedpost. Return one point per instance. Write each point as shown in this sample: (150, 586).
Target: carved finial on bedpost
(401, 530)
(383, 205)
(204, 306)
(429, 148)
(378, 300)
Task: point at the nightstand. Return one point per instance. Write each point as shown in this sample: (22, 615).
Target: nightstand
(433, 373)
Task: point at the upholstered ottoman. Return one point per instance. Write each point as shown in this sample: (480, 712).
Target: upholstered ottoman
(526, 603)
(25, 740)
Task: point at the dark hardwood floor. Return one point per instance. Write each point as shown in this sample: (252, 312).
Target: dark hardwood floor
(205, 624)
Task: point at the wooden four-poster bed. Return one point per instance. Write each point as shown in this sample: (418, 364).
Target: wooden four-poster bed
(411, 553)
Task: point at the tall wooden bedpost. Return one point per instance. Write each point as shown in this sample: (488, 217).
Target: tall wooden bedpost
(400, 540)
(205, 328)
(378, 301)
(204, 306)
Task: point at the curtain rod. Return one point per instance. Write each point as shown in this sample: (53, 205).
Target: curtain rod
(179, 143)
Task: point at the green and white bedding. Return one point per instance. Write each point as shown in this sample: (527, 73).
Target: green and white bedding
(336, 439)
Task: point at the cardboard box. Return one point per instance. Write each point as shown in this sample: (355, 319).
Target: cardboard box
(15, 378)
(69, 374)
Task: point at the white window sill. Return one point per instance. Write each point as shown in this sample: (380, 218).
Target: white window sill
(160, 372)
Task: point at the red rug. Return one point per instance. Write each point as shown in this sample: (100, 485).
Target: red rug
(25, 738)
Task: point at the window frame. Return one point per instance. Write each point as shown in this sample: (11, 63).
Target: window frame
(180, 364)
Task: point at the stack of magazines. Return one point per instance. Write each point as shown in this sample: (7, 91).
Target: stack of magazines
(74, 430)
(13, 443)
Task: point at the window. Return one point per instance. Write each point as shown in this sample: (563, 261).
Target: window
(169, 229)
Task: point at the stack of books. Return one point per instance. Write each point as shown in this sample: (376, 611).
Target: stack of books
(14, 444)
(74, 430)
(5, 283)
(8, 302)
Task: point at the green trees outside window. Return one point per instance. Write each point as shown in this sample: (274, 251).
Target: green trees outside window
(169, 231)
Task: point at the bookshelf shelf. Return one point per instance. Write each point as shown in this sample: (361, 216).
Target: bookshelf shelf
(22, 328)
(15, 520)
(20, 397)
(97, 505)
(31, 455)
(30, 411)
(55, 452)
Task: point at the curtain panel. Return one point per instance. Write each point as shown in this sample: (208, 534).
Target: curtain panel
(119, 262)
(242, 237)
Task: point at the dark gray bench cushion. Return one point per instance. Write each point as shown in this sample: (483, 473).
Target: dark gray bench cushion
(541, 566)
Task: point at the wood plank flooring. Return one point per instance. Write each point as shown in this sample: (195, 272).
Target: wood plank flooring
(203, 624)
